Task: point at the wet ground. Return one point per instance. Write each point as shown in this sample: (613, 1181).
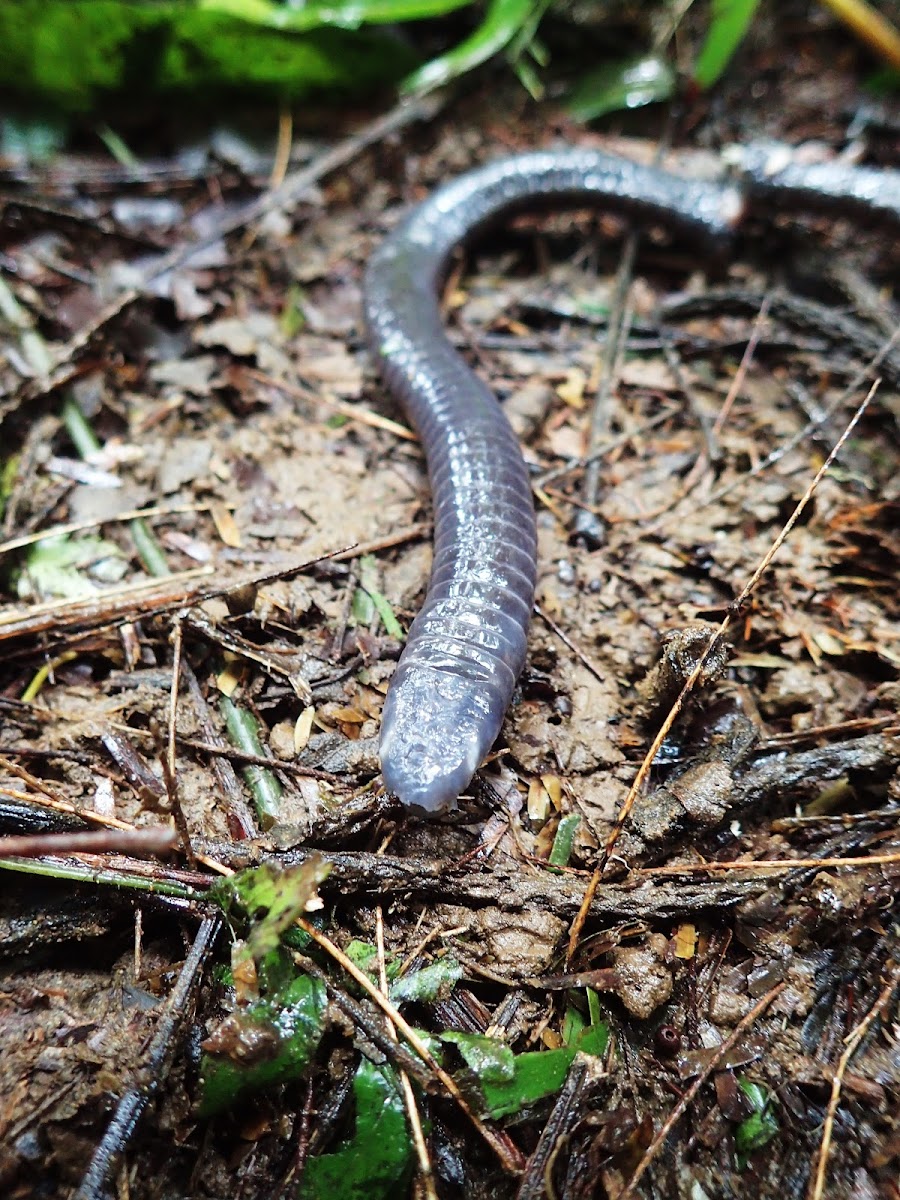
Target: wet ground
(233, 399)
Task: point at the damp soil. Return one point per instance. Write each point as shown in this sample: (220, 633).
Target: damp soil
(729, 943)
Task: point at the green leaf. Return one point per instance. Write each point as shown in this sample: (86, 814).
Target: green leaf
(9, 469)
(263, 783)
(537, 1074)
(594, 1015)
(562, 842)
(502, 22)
(424, 986)
(622, 85)
(760, 1127)
(730, 21)
(491, 1060)
(375, 1163)
(272, 899)
(117, 147)
(573, 1025)
(589, 1035)
(74, 53)
(368, 600)
(884, 81)
(268, 1043)
(507, 1082)
(56, 567)
(433, 982)
(365, 956)
(292, 318)
(362, 610)
(595, 1038)
(350, 15)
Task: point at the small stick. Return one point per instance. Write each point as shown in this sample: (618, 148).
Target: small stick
(158, 840)
(567, 641)
(746, 591)
(770, 864)
(746, 359)
(681, 1107)
(851, 1045)
(409, 1096)
(510, 1162)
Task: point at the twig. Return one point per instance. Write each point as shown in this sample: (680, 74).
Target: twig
(91, 841)
(567, 641)
(734, 609)
(567, 1112)
(851, 1045)
(692, 679)
(58, 531)
(170, 773)
(133, 1103)
(353, 412)
(874, 29)
(282, 149)
(770, 864)
(687, 1098)
(409, 1096)
(511, 1163)
(673, 362)
(50, 800)
(587, 526)
(128, 602)
(288, 766)
(746, 359)
(231, 793)
(802, 434)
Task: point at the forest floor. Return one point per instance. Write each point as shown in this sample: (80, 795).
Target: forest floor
(739, 951)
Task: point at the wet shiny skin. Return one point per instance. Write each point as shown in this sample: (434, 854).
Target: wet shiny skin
(467, 646)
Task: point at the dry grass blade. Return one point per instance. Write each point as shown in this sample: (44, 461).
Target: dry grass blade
(133, 514)
(771, 864)
(147, 597)
(687, 1098)
(817, 1182)
(409, 1096)
(861, 376)
(50, 800)
(692, 679)
(743, 367)
(504, 1151)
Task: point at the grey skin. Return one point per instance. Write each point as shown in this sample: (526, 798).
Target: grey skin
(466, 648)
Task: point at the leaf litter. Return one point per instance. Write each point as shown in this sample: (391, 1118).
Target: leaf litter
(234, 411)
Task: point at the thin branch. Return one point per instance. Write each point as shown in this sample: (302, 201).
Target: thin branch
(409, 1096)
(690, 683)
(159, 840)
(504, 1150)
(851, 1045)
(743, 367)
(687, 1098)
(152, 1074)
(770, 864)
(726, 623)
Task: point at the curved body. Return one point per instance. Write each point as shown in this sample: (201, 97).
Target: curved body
(466, 647)
(772, 171)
